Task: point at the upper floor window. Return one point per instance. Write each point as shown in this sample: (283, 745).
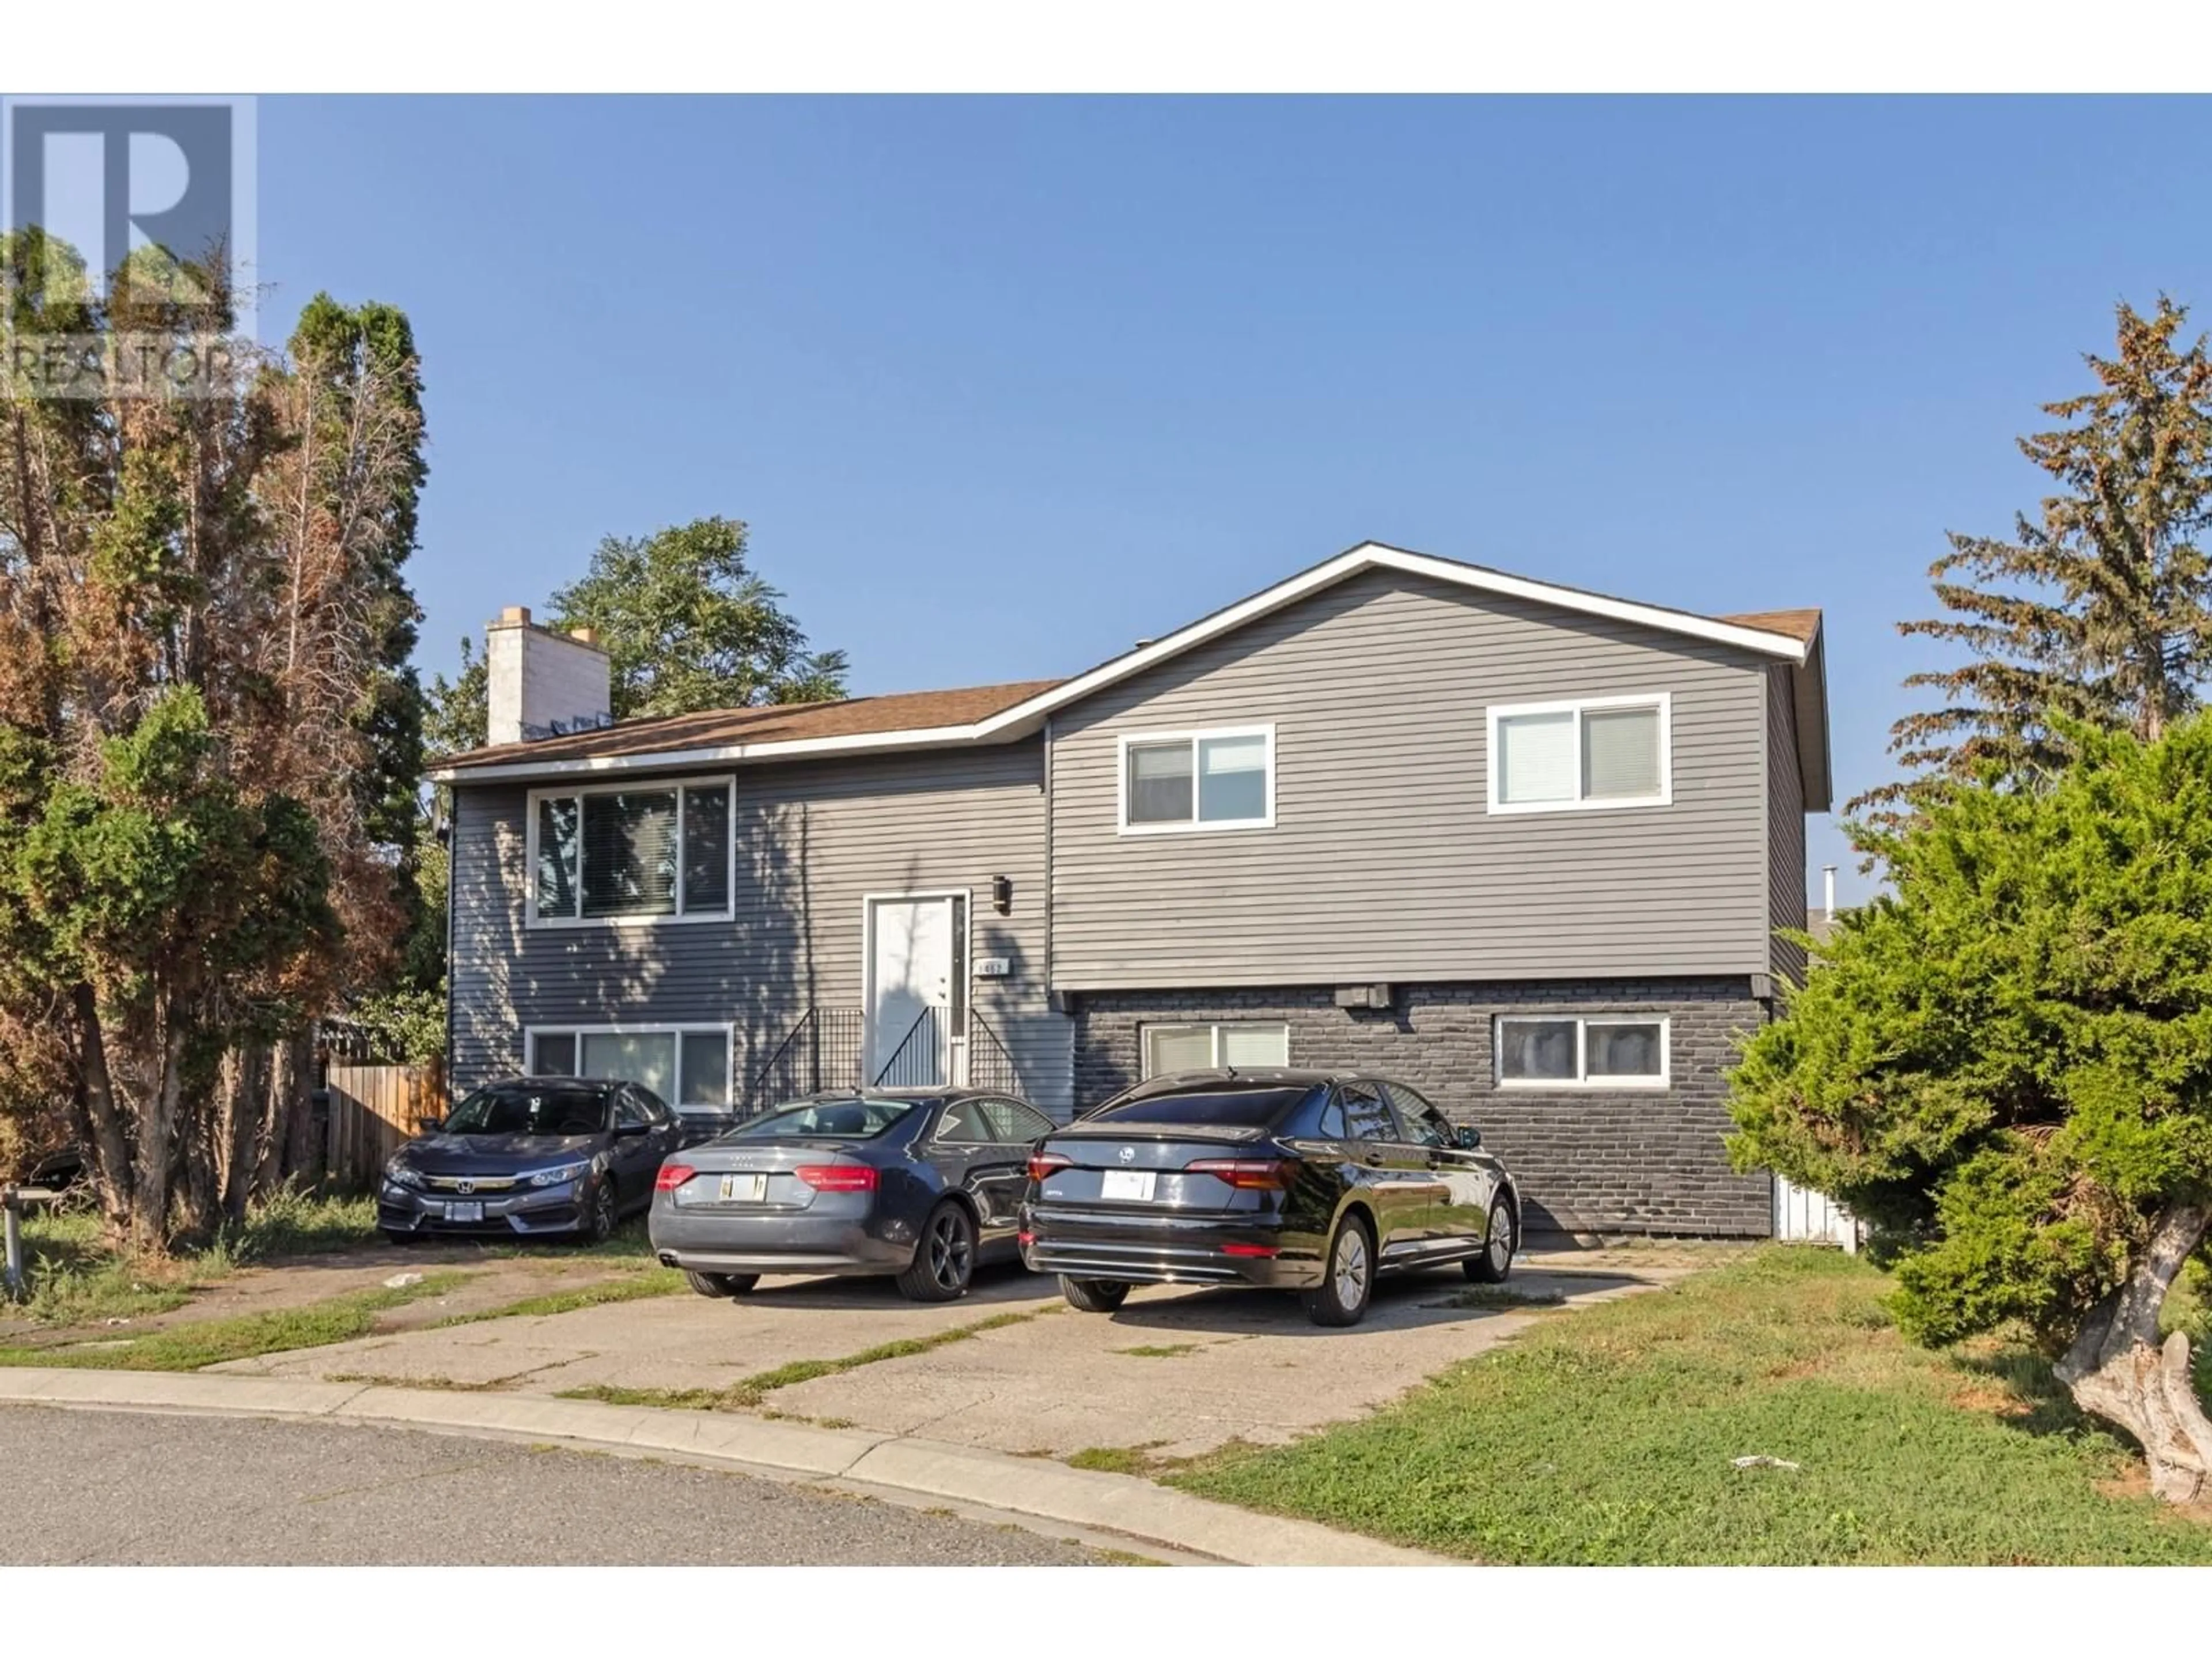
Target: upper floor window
(629, 851)
(1599, 752)
(1219, 779)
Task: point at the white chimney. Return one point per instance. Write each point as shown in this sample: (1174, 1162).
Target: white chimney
(1828, 887)
(541, 683)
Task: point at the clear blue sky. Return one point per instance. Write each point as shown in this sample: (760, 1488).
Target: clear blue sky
(1004, 386)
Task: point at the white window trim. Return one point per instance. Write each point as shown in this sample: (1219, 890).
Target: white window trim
(1582, 1082)
(696, 1028)
(1662, 700)
(1193, 738)
(1215, 1026)
(626, 786)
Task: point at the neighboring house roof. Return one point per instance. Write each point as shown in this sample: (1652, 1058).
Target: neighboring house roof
(1798, 624)
(931, 720)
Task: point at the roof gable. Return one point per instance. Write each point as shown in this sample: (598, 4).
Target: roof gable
(1005, 712)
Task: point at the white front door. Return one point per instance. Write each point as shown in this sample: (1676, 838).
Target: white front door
(909, 989)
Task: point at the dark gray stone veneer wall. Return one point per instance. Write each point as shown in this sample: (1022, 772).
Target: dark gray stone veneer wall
(1647, 1161)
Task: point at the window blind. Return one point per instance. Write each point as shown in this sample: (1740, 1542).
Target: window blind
(1536, 758)
(629, 853)
(1620, 753)
(1232, 778)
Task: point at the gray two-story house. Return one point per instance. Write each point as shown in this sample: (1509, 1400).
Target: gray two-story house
(1529, 848)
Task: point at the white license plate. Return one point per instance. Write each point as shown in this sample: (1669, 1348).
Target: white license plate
(457, 1212)
(744, 1189)
(1126, 1183)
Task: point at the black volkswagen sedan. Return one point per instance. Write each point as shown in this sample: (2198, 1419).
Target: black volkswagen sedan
(1311, 1182)
(920, 1184)
(533, 1155)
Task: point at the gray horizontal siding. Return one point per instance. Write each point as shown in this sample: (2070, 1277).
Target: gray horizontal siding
(1383, 862)
(1785, 835)
(811, 840)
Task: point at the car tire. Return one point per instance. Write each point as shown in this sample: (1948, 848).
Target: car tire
(1093, 1295)
(720, 1284)
(944, 1257)
(1347, 1281)
(395, 1236)
(1494, 1266)
(599, 1224)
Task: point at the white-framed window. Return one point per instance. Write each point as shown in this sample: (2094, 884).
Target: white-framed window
(621, 853)
(1222, 779)
(1581, 1051)
(684, 1065)
(1200, 1046)
(1591, 752)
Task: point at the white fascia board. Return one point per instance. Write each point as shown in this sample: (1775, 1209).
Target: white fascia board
(735, 754)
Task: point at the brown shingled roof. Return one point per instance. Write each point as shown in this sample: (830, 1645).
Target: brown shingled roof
(1798, 624)
(788, 722)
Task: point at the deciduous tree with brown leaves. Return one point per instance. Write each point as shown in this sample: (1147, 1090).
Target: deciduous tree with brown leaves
(202, 614)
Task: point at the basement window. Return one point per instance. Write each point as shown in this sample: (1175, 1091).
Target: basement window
(685, 1066)
(626, 852)
(1201, 1047)
(1582, 1051)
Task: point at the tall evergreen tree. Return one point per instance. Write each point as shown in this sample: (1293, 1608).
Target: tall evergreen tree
(2099, 608)
(198, 599)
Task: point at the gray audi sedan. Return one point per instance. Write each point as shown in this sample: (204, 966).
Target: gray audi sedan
(922, 1184)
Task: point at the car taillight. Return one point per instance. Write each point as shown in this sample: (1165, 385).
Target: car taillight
(1257, 1250)
(837, 1178)
(1043, 1163)
(1246, 1172)
(671, 1176)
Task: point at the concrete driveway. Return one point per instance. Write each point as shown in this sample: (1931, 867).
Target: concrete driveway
(1175, 1373)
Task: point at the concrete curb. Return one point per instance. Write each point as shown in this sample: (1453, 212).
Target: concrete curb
(1022, 1485)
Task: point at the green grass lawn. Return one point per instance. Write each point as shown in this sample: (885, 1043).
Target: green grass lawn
(1606, 1435)
(188, 1347)
(76, 1280)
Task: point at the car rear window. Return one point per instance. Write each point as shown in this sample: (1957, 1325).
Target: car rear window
(1229, 1109)
(834, 1119)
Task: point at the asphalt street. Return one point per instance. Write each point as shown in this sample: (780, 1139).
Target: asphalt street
(87, 1487)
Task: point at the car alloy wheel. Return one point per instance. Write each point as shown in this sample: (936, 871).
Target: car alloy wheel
(951, 1254)
(1347, 1278)
(1348, 1267)
(944, 1260)
(1496, 1263)
(603, 1214)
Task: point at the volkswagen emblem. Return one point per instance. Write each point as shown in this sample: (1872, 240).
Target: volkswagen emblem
(464, 1186)
(1128, 1155)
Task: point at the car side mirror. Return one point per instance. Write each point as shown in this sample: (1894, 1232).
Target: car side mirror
(1467, 1138)
(622, 1129)
(429, 1125)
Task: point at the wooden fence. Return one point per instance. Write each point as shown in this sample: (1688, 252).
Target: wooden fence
(372, 1108)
